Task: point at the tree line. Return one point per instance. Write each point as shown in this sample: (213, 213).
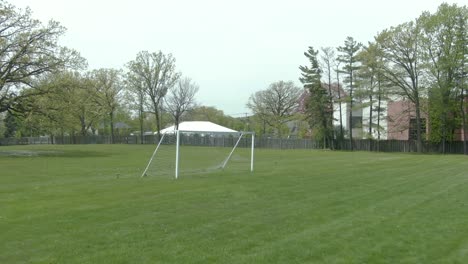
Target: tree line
(423, 61)
(46, 89)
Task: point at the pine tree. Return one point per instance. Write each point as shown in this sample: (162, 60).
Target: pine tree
(318, 104)
(348, 57)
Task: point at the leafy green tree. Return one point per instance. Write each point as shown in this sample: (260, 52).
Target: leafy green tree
(212, 114)
(155, 74)
(403, 64)
(42, 113)
(28, 50)
(68, 107)
(443, 51)
(348, 57)
(340, 131)
(328, 60)
(462, 72)
(107, 92)
(135, 97)
(373, 86)
(276, 105)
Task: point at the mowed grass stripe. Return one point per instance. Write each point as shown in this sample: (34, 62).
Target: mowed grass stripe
(354, 216)
(299, 206)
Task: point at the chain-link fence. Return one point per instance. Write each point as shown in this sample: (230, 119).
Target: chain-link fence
(455, 147)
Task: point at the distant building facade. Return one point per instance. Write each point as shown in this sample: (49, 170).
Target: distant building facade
(397, 118)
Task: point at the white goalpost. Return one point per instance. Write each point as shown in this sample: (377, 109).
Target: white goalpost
(180, 152)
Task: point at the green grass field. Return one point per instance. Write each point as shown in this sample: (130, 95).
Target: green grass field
(87, 204)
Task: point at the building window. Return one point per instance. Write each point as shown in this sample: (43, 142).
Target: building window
(413, 132)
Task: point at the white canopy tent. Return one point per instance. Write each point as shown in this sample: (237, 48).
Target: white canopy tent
(198, 126)
(202, 128)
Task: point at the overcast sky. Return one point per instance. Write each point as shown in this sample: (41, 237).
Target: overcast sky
(230, 48)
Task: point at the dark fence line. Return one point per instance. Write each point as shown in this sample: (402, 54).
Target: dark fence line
(455, 147)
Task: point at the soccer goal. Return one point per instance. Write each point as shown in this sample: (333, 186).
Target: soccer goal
(183, 152)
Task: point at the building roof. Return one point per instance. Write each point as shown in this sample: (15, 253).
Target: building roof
(199, 126)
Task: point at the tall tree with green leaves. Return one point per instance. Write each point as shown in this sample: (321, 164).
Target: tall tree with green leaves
(28, 50)
(372, 84)
(136, 98)
(339, 100)
(67, 108)
(328, 60)
(276, 105)
(156, 74)
(348, 57)
(212, 114)
(107, 91)
(403, 66)
(443, 52)
(318, 105)
(462, 73)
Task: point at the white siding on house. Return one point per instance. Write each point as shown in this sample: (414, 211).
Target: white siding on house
(365, 112)
(336, 115)
(383, 121)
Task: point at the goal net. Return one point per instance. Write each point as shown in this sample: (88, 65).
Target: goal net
(181, 153)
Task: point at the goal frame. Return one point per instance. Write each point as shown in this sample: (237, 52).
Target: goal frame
(177, 155)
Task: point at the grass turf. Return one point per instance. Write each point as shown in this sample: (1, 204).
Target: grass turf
(87, 204)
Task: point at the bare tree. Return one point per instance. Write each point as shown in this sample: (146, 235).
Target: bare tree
(181, 99)
(156, 74)
(277, 104)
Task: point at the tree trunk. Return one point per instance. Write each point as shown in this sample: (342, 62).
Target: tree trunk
(62, 135)
(176, 121)
(415, 81)
(350, 121)
(111, 118)
(83, 126)
(158, 121)
(444, 132)
(326, 137)
(418, 125)
(339, 99)
(141, 116)
(264, 127)
(177, 115)
(462, 84)
(370, 106)
(370, 117)
(378, 113)
(141, 126)
(463, 113)
(332, 129)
